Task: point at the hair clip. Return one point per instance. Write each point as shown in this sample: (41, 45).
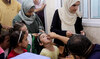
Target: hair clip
(19, 36)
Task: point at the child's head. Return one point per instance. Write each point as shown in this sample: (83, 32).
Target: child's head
(20, 26)
(4, 39)
(79, 45)
(44, 39)
(19, 39)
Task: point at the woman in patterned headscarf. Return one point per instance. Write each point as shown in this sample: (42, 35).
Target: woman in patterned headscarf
(67, 20)
(27, 15)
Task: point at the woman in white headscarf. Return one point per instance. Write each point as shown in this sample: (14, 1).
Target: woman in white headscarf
(27, 15)
(67, 20)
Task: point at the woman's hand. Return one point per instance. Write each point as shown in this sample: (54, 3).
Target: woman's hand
(83, 33)
(69, 33)
(40, 9)
(52, 35)
(43, 6)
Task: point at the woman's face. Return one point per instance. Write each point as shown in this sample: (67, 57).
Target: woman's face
(74, 7)
(45, 39)
(30, 12)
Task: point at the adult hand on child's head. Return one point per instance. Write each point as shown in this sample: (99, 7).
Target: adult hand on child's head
(83, 33)
(69, 33)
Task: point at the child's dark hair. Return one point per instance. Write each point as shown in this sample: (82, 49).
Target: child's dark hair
(38, 38)
(3, 35)
(78, 44)
(18, 25)
(16, 37)
(37, 45)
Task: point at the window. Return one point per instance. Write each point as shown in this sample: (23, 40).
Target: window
(84, 8)
(91, 12)
(58, 4)
(95, 8)
(91, 9)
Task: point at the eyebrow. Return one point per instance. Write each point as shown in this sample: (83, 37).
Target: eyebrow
(75, 4)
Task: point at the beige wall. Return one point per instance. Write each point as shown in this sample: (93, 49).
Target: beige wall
(49, 11)
(51, 6)
(93, 33)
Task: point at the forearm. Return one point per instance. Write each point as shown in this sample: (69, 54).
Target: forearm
(37, 10)
(62, 38)
(57, 31)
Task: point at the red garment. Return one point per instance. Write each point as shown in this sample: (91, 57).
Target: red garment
(13, 54)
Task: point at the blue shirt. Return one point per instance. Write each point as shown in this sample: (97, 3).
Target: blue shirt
(95, 52)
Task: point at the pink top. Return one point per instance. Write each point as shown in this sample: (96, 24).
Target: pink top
(1, 50)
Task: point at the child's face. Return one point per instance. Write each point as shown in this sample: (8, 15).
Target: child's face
(6, 42)
(45, 39)
(24, 42)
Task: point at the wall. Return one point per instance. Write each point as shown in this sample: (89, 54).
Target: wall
(93, 33)
(51, 6)
(92, 29)
(49, 11)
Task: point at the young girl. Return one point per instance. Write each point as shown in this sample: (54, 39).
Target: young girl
(4, 43)
(19, 42)
(30, 38)
(49, 49)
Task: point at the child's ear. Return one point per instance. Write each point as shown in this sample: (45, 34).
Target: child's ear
(41, 44)
(19, 44)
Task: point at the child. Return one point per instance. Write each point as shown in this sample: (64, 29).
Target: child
(31, 38)
(20, 26)
(49, 49)
(19, 42)
(4, 43)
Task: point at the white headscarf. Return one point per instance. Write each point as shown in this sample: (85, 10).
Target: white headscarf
(26, 6)
(68, 19)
